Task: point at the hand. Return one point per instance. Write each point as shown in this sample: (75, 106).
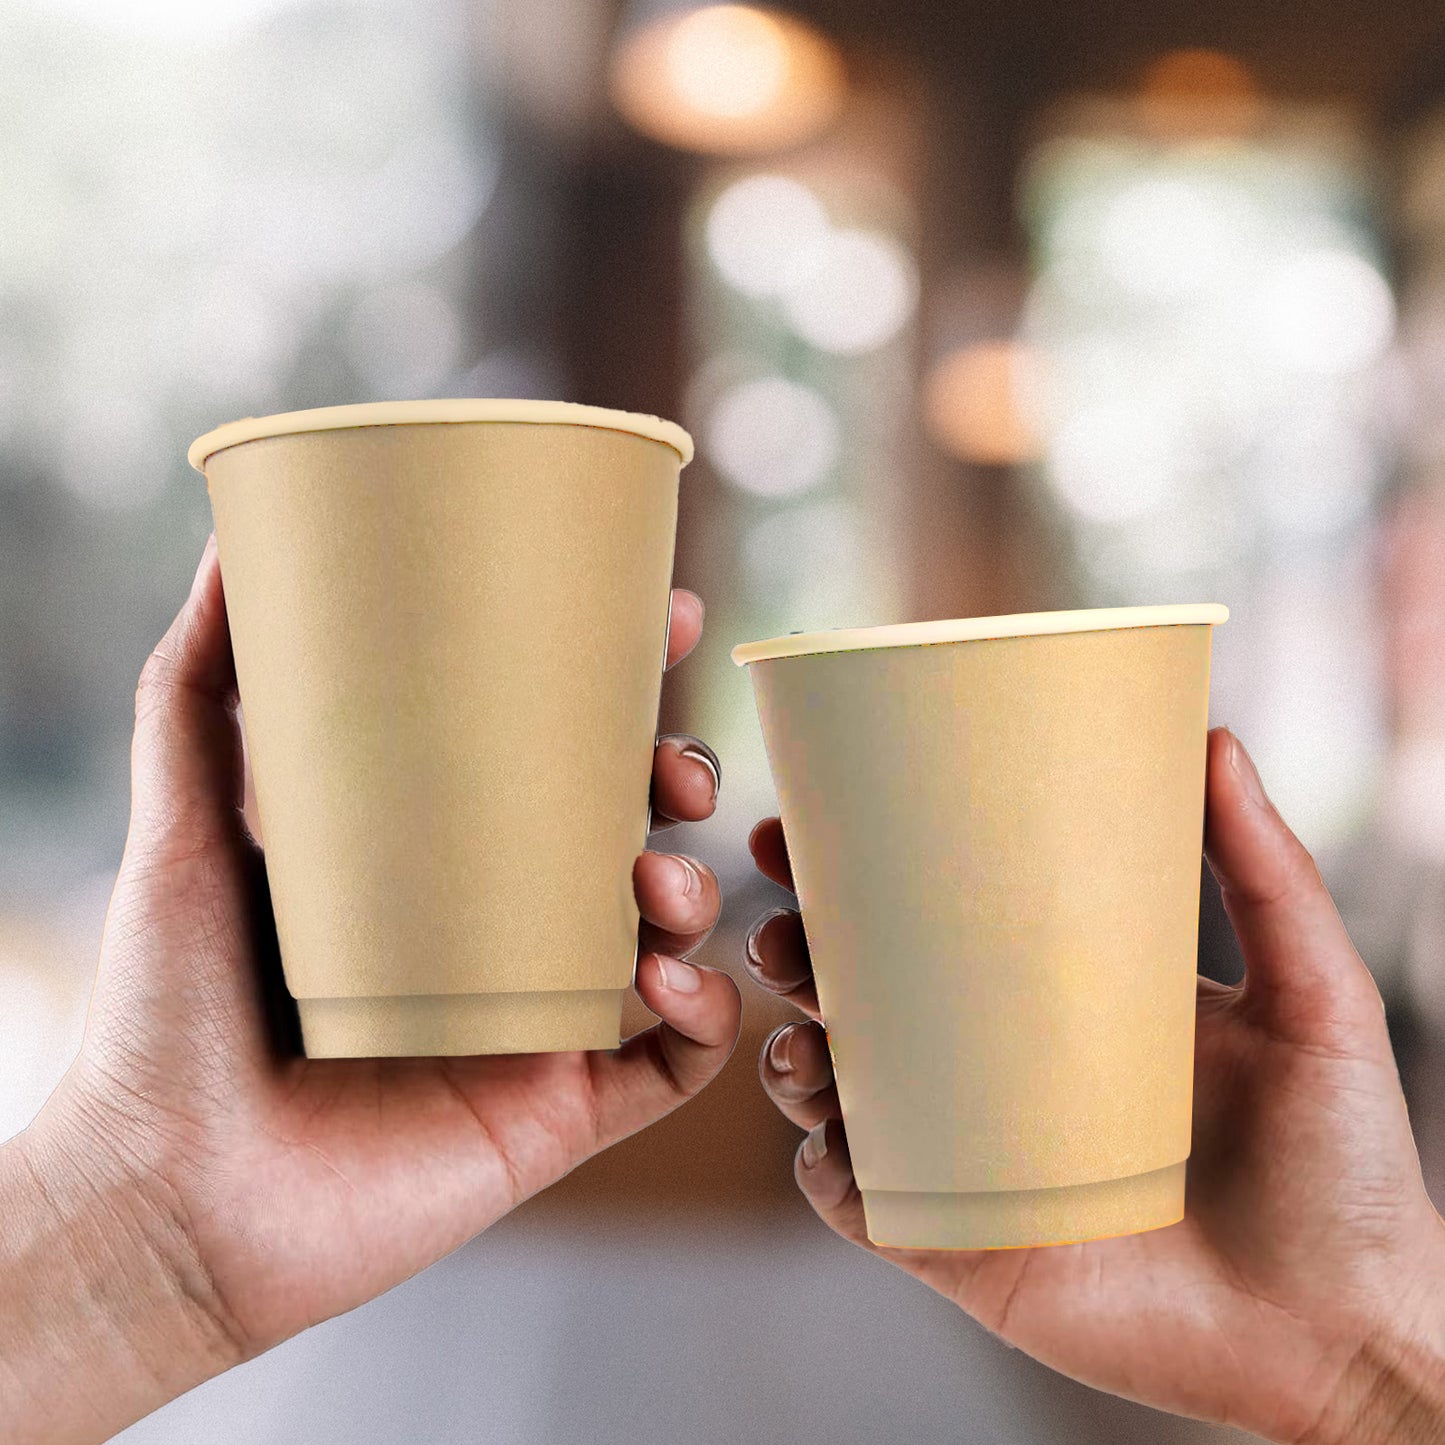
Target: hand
(210, 1196)
(1303, 1296)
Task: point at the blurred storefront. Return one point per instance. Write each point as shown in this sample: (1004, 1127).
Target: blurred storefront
(971, 309)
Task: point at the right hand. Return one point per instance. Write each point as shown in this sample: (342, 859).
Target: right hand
(1303, 1295)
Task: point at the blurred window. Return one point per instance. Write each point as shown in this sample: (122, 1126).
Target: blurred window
(225, 209)
(1215, 328)
(803, 297)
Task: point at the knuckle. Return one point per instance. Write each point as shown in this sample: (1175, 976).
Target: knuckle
(1300, 875)
(157, 678)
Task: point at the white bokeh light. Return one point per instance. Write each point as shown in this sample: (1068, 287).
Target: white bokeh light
(772, 437)
(1317, 475)
(766, 233)
(1164, 236)
(1111, 462)
(728, 60)
(238, 335)
(1325, 312)
(859, 295)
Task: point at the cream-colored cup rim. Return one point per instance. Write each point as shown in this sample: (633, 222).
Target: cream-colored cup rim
(980, 629)
(403, 413)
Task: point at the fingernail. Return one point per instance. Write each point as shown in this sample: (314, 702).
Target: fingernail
(750, 946)
(815, 1146)
(701, 607)
(677, 975)
(701, 753)
(687, 874)
(1246, 772)
(755, 958)
(779, 1051)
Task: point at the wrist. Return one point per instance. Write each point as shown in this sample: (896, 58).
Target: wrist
(1392, 1391)
(106, 1311)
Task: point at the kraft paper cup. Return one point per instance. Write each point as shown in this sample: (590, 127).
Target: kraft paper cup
(995, 830)
(449, 621)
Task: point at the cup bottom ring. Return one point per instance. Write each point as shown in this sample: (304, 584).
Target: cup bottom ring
(425, 1025)
(1017, 1219)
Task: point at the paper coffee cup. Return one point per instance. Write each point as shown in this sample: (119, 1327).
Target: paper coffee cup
(449, 621)
(995, 830)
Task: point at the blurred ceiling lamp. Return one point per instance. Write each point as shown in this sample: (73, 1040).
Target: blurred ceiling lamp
(726, 79)
(971, 404)
(1187, 94)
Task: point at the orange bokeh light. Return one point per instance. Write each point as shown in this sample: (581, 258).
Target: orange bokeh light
(727, 79)
(1198, 92)
(971, 404)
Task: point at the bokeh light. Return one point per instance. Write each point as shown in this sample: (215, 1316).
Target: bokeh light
(1110, 462)
(766, 233)
(727, 60)
(859, 295)
(1326, 311)
(1194, 92)
(1166, 235)
(1318, 477)
(1218, 337)
(772, 437)
(236, 335)
(973, 403)
(727, 79)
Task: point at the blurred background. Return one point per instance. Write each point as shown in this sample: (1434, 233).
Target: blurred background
(972, 309)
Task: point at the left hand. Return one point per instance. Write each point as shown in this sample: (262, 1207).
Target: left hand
(189, 1196)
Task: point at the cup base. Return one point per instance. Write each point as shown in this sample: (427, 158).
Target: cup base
(425, 1025)
(1017, 1219)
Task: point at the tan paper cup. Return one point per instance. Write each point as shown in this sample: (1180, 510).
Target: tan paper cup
(995, 829)
(449, 621)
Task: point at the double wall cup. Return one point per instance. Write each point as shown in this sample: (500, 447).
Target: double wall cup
(449, 621)
(995, 829)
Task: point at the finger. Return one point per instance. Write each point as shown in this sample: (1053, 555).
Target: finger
(797, 1073)
(1300, 966)
(678, 898)
(655, 1071)
(776, 957)
(186, 775)
(770, 852)
(190, 897)
(1211, 988)
(824, 1171)
(684, 624)
(686, 776)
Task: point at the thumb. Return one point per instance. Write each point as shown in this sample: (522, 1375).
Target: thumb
(186, 773)
(1301, 970)
(189, 900)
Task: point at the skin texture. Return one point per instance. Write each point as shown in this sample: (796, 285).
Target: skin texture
(194, 1192)
(1301, 1296)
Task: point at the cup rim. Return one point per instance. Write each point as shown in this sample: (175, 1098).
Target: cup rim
(979, 629)
(458, 409)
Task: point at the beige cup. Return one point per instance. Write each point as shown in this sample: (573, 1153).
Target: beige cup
(449, 621)
(995, 829)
